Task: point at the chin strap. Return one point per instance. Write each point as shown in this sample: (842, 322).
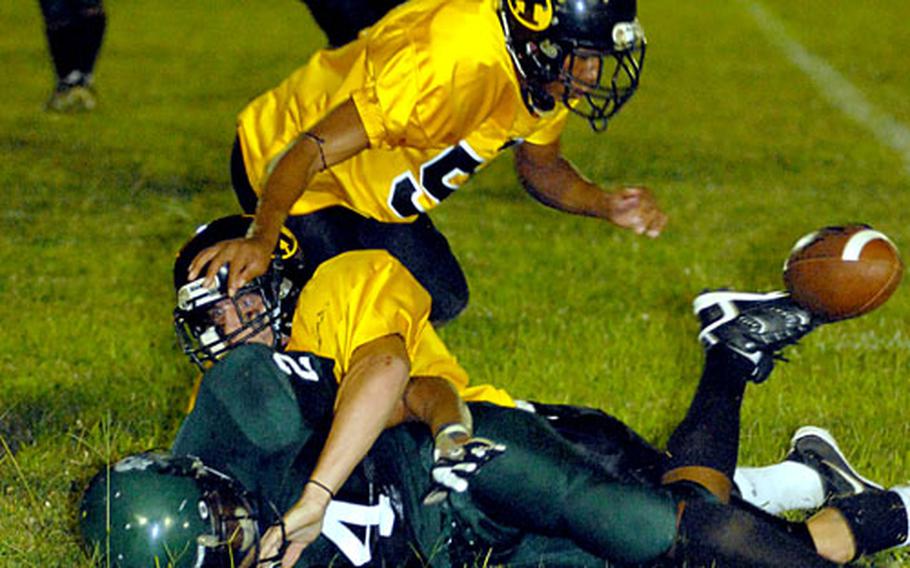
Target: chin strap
(537, 99)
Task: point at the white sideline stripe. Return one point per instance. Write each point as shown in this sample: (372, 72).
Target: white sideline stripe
(855, 244)
(834, 87)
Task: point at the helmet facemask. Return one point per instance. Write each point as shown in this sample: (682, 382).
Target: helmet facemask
(236, 521)
(599, 99)
(255, 310)
(257, 313)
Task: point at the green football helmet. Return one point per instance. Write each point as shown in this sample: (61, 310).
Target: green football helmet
(159, 510)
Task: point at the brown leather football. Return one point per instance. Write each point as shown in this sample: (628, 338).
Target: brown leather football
(843, 272)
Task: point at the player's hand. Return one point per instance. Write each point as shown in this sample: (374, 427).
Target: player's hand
(453, 469)
(302, 525)
(248, 258)
(635, 208)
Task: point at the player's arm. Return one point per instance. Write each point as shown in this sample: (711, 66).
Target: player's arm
(367, 396)
(435, 402)
(337, 137)
(552, 180)
(371, 389)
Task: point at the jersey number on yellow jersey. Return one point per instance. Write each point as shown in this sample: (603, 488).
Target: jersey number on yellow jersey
(439, 178)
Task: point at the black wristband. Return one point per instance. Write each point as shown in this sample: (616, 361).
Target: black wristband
(319, 142)
(322, 486)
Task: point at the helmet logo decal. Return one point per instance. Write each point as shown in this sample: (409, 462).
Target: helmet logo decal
(287, 244)
(536, 15)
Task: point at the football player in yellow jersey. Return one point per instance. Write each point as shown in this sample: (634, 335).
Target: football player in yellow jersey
(350, 302)
(353, 149)
(363, 318)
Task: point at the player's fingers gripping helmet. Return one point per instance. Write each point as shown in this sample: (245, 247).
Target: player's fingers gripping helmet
(551, 40)
(272, 294)
(155, 509)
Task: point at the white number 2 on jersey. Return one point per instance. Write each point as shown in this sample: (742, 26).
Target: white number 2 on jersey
(341, 513)
(299, 366)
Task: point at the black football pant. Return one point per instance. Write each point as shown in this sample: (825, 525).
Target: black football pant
(341, 20)
(329, 232)
(74, 30)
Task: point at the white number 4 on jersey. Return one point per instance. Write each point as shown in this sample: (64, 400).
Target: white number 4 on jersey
(339, 514)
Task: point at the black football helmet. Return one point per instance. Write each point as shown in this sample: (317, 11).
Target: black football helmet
(202, 340)
(546, 38)
(156, 509)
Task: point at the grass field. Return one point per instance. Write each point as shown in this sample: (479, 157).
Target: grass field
(746, 149)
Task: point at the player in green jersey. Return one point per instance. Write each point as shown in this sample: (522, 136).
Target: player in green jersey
(263, 419)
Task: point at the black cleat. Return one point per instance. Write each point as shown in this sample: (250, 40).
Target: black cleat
(816, 448)
(753, 325)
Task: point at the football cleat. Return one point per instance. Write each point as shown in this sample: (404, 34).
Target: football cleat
(755, 326)
(79, 98)
(74, 93)
(816, 448)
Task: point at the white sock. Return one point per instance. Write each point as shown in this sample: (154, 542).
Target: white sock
(904, 492)
(784, 486)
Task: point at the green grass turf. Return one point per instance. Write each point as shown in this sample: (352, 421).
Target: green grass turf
(743, 152)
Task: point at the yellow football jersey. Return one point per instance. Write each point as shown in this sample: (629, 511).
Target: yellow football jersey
(363, 295)
(438, 96)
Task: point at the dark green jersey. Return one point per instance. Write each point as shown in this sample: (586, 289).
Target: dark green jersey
(262, 417)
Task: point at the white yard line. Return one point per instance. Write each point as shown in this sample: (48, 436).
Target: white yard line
(840, 92)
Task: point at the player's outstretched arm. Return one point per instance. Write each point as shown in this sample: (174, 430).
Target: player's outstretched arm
(552, 180)
(337, 137)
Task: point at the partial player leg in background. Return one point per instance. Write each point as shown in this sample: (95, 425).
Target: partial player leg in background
(341, 20)
(75, 31)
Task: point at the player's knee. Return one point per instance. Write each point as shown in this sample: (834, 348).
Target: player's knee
(448, 304)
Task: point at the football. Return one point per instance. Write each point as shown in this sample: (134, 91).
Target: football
(843, 272)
